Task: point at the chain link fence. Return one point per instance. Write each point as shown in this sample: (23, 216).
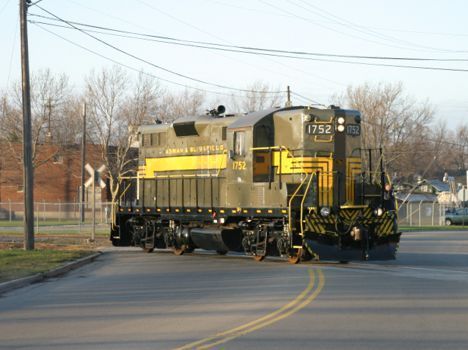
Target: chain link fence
(57, 225)
(422, 213)
(60, 214)
(54, 214)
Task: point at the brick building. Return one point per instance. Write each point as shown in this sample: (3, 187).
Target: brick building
(57, 176)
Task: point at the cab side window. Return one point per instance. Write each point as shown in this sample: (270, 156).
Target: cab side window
(239, 143)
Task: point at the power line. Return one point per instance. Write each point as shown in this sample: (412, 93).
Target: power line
(307, 99)
(152, 75)
(132, 68)
(368, 31)
(373, 29)
(34, 3)
(87, 32)
(421, 32)
(191, 25)
(152, 64)
(4, 6)
(237, 48)
(307, 19)
(15, 34)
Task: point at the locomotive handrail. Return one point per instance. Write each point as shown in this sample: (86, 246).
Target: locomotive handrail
(330, 139)
(324, 121)
(291, 199)
(280, 148)
(220, 162)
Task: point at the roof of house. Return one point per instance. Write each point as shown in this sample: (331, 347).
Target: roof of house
(439, 186)
(415, 197)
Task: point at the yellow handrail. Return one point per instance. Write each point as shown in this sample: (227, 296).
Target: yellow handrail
(302, 203)
(281, 148)
(290, 202)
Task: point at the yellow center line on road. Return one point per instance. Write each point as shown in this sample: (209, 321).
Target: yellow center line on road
(301, 301)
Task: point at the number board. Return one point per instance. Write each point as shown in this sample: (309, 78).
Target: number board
(353, 129)
(320, 129)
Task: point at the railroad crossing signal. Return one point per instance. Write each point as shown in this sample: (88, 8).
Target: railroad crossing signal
(95, 176)
(95, 179)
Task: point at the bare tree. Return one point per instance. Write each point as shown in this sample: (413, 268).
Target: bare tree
(395, 122)
(257, 98)
(114, 114)
(457, 147)
(50, 96)
(175, 105)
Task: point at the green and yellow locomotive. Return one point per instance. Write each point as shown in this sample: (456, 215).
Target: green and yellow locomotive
(280, 182)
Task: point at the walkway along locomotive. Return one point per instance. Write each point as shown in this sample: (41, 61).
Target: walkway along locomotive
(279, 182)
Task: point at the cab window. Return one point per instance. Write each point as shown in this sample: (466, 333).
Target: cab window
(239, 143)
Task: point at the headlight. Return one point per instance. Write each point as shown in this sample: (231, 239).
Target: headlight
(340, 128)
(307, 117)
(341, 120)
(378, 212)
(325, 211)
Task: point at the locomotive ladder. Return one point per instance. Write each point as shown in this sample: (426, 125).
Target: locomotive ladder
(305, 184)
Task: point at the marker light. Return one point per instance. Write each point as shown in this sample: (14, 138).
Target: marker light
(325, 211)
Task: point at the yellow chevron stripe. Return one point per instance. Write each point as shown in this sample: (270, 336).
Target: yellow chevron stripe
(310, 225)
(316, 227)
(388, 226)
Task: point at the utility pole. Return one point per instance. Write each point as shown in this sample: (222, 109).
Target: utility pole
(49, 132)
(93, 231)
(83, 161)
(28, 171)
(288, 102)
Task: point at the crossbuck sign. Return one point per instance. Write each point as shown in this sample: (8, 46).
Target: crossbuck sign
(94, 180)
(95, 176)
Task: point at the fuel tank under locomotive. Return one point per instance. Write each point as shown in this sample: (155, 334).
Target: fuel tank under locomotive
(220, 239)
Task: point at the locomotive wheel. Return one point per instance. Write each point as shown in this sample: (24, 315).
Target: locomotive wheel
(180, 250)
(148, 250)
(259, 257)
(221, 252)
(184, 248)
(296, 256)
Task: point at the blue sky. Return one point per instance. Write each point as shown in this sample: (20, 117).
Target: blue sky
(424, 29)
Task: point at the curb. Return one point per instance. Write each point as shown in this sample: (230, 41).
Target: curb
(25, 281)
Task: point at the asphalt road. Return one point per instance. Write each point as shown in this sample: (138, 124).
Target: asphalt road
(131, 300)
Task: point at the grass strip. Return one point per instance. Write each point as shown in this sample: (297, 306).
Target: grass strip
(17, 263)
